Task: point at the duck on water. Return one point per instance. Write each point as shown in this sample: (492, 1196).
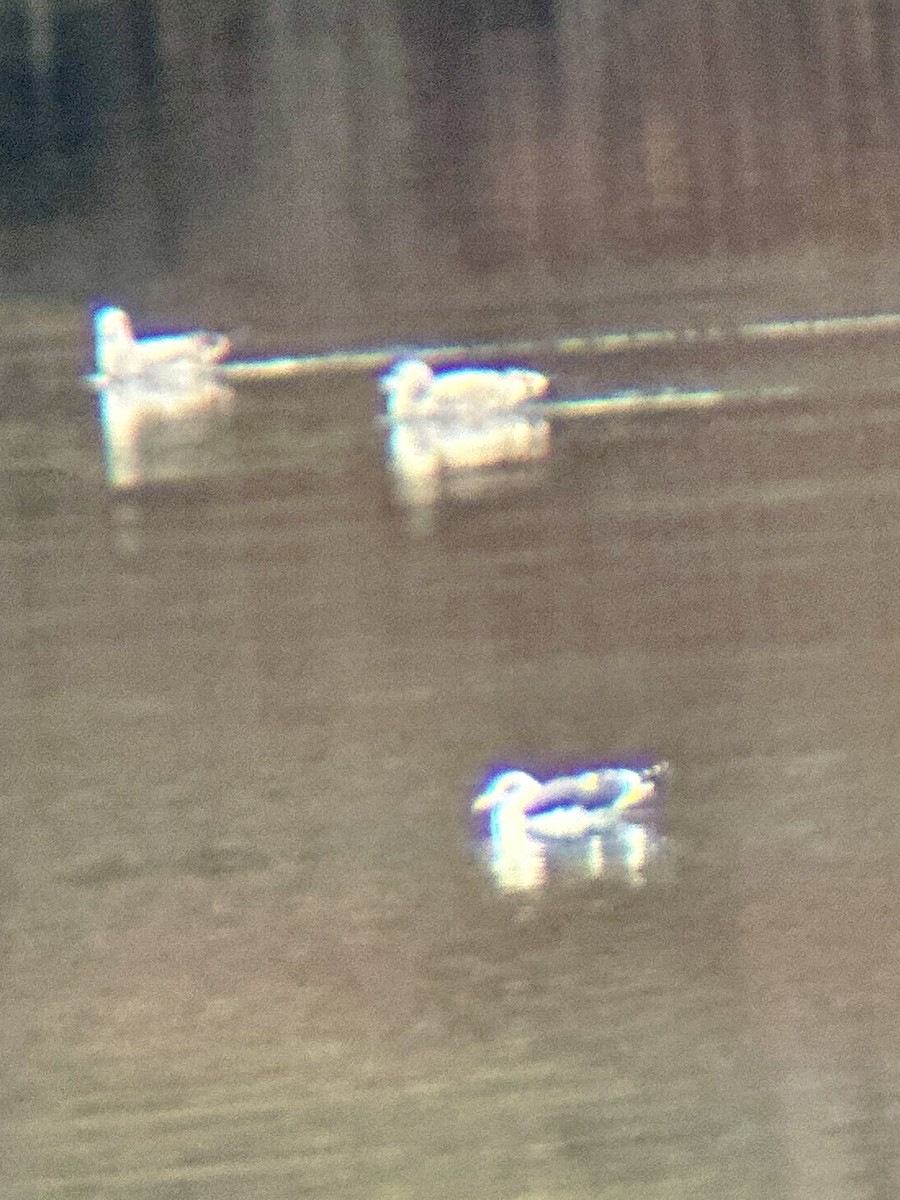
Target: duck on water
(170, 381)
(461, 420)
(121, 357)
(528, 818)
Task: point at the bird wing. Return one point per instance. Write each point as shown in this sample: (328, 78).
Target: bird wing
(570, 821)
(593, 791)
(472, 393)
(563, 821)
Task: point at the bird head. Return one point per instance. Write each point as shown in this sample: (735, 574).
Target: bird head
(113, 338)
(511, 788)
(406, 386)
(110, 322)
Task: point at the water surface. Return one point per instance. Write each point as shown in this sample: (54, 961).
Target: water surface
(246, 949)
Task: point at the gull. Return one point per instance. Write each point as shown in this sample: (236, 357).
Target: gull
(167, 380)
(528, 816)
(121, 357)
(412, 389)
(461, 420)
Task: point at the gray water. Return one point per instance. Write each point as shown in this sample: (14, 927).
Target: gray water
(247, 951)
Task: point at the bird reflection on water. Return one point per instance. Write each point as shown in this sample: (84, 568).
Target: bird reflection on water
(149, 431)
(601, 822)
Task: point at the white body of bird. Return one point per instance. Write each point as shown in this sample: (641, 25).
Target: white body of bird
(121, 357)
(461, 420)
(413, 390)
(528, 817)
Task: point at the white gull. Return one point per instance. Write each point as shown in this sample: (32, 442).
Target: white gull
(120, 356)
(170, 380)
(461, 420)
(527, 817)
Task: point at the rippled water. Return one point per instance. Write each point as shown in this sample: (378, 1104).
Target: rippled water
(247, 951)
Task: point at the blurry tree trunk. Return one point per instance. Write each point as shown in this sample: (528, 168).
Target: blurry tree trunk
(888, 44)
(704, 153)
(889, 40)
(299, 208)
(833, 108)
(799, 159)
(43, 133)
(663, 197)
(383, 201)
(623, 167)
(738, 125)
(510, 150)
(766, 37)
(40, 19)
(875, 146)
(445, 115)
(779, 86)
(132, 141)
(651, 164)
(585, 55)
(197, 129)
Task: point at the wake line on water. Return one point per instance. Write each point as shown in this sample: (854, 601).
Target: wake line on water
(794, 329)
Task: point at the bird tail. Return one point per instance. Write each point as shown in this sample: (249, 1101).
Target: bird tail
(657, 770)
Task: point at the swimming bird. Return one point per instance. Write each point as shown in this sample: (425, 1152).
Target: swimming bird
(412, 390)
(460, 420)
(569, 806)
(527, 817)
(170, 361)
(169, 381)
